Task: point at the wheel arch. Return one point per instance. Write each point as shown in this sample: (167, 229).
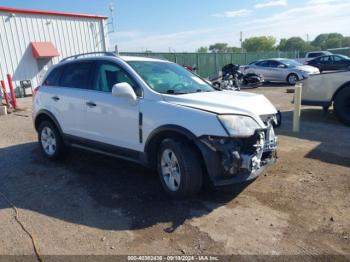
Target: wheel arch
(43, 115)
(343, 86)
(293, 73)
(166, 131)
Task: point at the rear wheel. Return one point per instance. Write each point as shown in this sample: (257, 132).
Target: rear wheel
(50, 140)
(179, 168)
(292, 79)
(342, 105)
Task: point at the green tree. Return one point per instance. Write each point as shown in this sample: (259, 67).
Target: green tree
(202, 49)
(233, 49)
(346, 41)
(218, 48)
(295, 44)
(261, 43)
(282, 44)
(326, 41)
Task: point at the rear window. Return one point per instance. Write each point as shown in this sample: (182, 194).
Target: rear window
(53, 77)
(76, 75)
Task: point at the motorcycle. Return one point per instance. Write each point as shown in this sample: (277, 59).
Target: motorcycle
(233, 79)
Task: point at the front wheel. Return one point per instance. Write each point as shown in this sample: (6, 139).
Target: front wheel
(292, 79)
(342, 105)
(179, 168)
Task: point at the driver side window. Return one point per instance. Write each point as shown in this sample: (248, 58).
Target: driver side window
(109, 74)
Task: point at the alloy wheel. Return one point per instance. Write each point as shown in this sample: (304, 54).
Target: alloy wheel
(170, 170)
(48, 141)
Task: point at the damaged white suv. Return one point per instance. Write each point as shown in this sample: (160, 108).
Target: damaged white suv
(156, 113)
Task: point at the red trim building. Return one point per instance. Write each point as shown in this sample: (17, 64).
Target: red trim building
(33, 40)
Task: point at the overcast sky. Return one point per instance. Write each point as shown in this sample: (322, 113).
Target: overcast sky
(185, 25)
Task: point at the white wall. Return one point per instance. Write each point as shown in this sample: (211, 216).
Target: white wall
(70, 35)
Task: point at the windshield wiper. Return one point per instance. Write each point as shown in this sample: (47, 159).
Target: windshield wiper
(171, 91)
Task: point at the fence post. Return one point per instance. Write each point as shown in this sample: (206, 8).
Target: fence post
(216, 62)
(297, 107)
(12, 91)
(5, 93)
(198, 70)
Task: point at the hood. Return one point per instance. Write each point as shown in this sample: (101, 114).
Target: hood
(308, 69)
(225, 102)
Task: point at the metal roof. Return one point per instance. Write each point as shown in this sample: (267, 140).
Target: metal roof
(49, 13)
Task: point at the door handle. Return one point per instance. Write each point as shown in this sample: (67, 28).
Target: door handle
(55, 98)
(90, 104)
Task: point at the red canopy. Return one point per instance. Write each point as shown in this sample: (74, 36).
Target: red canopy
(44, 50)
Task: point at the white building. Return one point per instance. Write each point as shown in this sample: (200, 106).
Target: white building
(32, 40)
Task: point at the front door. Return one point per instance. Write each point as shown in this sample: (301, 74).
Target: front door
(111, 120)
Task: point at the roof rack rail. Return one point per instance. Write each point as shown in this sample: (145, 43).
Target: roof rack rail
(88, 54)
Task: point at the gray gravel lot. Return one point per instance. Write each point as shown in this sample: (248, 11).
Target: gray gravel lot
(92, 204)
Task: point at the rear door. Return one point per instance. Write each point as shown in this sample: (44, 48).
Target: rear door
(340, 63)
(326, 63)
(68, 96)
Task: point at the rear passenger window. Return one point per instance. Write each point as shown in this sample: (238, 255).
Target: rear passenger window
(76, 75)
(53, 77)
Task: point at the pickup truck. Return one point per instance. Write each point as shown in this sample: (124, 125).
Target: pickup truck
(329, 89)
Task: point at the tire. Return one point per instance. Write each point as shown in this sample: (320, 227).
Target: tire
(342, 105)
(179, 168)
(50, 141)
(292, 79)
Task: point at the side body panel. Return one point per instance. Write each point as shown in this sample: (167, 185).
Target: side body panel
(321, 88)
(66, 104)
(160, 113)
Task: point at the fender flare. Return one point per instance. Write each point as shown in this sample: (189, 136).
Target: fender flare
(345, 85)
(44, 112)
(150, 146)
(169, 128)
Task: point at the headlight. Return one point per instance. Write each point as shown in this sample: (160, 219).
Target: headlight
(237, 125)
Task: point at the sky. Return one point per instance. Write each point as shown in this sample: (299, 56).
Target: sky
(185, 25)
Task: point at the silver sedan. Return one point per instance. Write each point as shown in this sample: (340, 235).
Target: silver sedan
(281, 70)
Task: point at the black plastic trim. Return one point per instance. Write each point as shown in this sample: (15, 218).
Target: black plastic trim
(315, 103)
(116, 151)
(167, 128)
(51, 116)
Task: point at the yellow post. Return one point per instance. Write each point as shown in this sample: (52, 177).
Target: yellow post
(297, 107)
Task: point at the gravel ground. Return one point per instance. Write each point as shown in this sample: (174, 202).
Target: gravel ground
(89, 204)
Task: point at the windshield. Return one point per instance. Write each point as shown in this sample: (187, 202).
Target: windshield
(169, 78)
(290, 63)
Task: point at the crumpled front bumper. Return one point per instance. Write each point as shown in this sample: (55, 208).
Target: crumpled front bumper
(232, 160)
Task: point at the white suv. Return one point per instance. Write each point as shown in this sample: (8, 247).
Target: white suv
(156, 113)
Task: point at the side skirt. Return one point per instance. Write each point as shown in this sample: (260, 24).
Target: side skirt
(106, 149)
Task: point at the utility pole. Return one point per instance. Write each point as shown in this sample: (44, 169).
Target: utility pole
(111, 23)
(307, 38)
(241, 40)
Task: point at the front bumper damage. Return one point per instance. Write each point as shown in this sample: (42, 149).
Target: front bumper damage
(232, 160)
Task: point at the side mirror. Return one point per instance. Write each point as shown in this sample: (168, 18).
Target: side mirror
(281, 66)
(124, 90)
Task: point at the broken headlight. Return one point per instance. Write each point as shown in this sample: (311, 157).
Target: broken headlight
(238, 125)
